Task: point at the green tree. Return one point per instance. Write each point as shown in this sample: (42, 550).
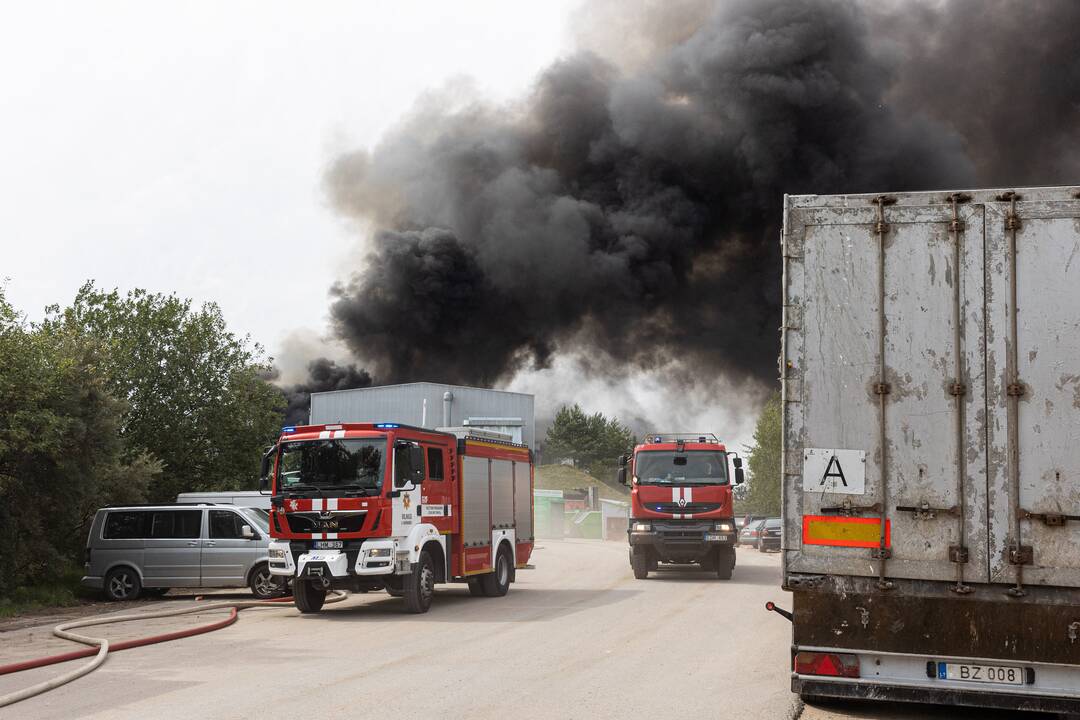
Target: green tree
(763, 492)
(61, 456)
(193, 391)
(593, 442)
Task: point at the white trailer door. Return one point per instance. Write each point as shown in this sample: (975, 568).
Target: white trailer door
(927, 480)
(1035, 430)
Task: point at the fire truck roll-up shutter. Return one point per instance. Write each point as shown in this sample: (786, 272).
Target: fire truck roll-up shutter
(502, 494)
(523, 501)
(476, 506)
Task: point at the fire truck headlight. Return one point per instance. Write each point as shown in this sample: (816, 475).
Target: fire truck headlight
(276, 553)
(723, 527)
(642, 527)
(379, 552)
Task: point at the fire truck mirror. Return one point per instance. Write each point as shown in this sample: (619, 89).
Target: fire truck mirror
(264, 470)
(624, 460)
(739, 476)
(621, 476)
(737, 462)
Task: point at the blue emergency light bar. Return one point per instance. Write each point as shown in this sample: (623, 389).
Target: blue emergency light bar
(289, 429)
(386, 426)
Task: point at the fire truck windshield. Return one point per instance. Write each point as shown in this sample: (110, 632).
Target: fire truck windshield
(354, 464)
(693, 467)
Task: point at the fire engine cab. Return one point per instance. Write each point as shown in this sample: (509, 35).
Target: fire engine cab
(383, 506)
(680, 502)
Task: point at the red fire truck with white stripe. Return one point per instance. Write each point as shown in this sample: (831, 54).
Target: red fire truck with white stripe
(680, 502)
(373, 506)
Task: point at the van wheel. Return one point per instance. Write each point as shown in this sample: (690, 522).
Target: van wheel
(639, 560)
(122, 583)
(725, 562)
(418, 589)
(308, 595)
(264, 585)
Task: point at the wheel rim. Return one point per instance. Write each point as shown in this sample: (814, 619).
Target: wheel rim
(427, 583)
(120, 586)
(264, 583)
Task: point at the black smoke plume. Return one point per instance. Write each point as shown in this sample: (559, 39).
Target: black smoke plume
(631, 209)
(323, 375)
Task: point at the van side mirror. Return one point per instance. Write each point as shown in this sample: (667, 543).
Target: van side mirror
(247, 532)
(621, 476)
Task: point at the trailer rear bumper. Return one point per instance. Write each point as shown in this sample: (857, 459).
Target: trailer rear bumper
(811, 688)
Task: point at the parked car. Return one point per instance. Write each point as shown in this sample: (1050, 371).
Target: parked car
(140, 549)
(749, 534)
(768, 537)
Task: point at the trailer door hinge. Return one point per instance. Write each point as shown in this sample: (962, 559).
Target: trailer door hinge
(958, 554)
(923, 511)
(1023, 555)
(1050, 519)
(847, 508)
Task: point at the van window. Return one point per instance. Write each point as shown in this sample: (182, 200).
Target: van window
(168, 524)
(434, 464)
(225, 525)
(125, 525)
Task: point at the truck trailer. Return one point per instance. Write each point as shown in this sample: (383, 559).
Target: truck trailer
(681, 508)
(931, 433)
(385, 506)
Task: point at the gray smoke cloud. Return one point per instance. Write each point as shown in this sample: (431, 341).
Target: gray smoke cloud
(628, 208)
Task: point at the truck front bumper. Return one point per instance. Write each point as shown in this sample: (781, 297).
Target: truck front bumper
(681, 542)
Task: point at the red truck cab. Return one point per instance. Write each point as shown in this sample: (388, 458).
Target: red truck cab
(681, 503)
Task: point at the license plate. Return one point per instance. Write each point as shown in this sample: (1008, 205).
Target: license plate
(718, 537)
(328, 544)
(1001, 674)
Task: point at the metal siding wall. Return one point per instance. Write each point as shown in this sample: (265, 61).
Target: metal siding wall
(523, 502)
(502, 493)
(475, 521)
(405, 404)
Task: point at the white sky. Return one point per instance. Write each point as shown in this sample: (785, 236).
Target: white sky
(180, 147)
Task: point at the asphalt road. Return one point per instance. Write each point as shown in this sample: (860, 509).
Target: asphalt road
(577, 637)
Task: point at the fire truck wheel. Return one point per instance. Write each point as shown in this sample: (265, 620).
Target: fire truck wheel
(725, 562)
(639, 560)
(395, 592)
(497, 583)
(122, 583)
(308, 595)
(476, 588)
(418, 588)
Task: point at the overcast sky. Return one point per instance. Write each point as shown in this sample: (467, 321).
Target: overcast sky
(180, 147)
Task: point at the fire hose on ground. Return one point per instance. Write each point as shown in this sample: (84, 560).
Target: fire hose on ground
(100, 647)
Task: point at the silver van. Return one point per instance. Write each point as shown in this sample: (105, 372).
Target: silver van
(140, 549)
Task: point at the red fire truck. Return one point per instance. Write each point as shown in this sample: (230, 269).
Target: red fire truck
(680, 502)
(373, 506)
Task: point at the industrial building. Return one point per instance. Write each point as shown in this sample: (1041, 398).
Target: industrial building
(431, 405)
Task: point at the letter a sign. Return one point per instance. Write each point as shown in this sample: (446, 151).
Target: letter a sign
(834, 471)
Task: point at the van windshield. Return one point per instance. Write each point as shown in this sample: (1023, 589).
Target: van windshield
(345, 464)
(693, 467)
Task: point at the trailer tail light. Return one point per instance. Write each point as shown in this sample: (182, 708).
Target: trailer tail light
(831, 664)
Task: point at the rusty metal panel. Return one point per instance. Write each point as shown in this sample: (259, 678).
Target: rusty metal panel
(831, 366)
(1047, 420)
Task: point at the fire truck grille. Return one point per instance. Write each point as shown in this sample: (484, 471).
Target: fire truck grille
(312, 523)
(681, 533)
(690, 507)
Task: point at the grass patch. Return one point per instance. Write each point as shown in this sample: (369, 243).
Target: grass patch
(63, 591)
(564, 477)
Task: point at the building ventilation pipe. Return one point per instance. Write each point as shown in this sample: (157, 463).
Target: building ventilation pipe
(447, 401)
